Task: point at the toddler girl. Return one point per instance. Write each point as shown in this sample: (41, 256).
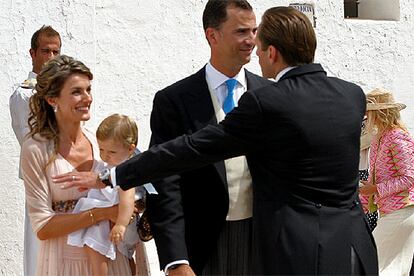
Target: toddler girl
(117, 137)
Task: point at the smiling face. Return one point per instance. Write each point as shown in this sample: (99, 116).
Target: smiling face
(233, 42)
(114, 152)
(74, 101)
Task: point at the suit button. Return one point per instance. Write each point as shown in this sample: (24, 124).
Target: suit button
(318, 205)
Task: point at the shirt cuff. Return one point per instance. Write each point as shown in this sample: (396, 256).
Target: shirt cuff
(175, 263)
(113, 177)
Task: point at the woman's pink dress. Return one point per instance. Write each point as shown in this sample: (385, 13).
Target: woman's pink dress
(55, 256)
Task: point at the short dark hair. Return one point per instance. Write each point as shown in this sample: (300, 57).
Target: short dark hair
(290, 32)
(44, 30)
(215, 12)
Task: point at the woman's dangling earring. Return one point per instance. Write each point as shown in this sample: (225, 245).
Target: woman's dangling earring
(55, 108)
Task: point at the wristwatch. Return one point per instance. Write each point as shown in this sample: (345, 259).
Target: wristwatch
(103, 176)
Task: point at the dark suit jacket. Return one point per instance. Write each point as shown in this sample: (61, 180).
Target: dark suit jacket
(301, 139)
(189, 212)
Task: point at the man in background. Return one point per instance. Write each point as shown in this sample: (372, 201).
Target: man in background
(45, 45)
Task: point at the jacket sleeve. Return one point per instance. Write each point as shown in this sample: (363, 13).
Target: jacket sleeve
(165, 210)
(240, 133)
(399, 163)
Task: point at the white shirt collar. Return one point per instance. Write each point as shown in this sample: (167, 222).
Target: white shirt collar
(215, 78)
(283, 72)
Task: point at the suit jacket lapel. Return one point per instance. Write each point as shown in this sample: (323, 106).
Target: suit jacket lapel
(199, 106)
(197, 101)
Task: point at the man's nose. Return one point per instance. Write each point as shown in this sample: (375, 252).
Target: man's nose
(251, 38)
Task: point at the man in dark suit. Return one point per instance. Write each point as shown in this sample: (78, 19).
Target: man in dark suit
(198, 224)
(301, 139)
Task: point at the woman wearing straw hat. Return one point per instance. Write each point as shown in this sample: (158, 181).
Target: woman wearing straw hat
(391, 183)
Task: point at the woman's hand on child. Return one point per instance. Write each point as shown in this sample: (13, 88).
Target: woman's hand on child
(107, 213)
(112, 213)
(117, 233)
(82, 180)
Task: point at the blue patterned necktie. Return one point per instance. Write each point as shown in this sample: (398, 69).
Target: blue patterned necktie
(228, 104)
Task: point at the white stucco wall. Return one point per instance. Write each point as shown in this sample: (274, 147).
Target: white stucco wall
(136, 47)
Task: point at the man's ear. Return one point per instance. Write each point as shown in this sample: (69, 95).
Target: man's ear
(273, 54)
(211, 36)
(32, 53)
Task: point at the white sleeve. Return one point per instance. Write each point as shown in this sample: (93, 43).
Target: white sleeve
(113, 177)
(19, 112)
(174, 263)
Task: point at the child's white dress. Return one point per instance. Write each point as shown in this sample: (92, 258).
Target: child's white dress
(97, 235)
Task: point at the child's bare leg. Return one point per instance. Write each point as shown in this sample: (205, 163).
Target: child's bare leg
(98, 262)
(132, 266)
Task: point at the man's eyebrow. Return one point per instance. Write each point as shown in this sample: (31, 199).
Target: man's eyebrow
(246, 28)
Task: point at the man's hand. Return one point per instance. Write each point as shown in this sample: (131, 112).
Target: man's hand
(81, 180)
(181, 270)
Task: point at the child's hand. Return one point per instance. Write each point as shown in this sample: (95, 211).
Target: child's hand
(117, 233)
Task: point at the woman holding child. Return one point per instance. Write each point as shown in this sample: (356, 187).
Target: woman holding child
(57, 144)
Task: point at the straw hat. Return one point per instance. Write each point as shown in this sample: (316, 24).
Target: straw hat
(380, 98)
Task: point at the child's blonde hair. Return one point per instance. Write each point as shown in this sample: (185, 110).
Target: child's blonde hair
(120, 128)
